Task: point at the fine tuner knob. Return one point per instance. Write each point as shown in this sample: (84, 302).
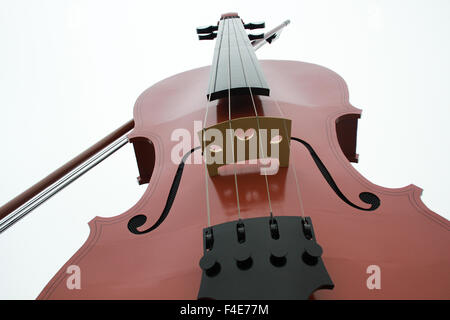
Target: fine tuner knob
(312, 253)
(254, 25)
(207, 29)
(209, 264)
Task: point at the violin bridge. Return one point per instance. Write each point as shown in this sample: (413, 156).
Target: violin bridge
(246, 140)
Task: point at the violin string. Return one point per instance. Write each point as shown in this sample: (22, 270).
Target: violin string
(257, 119)
(299, 196)
(208, 208)
(231, 132)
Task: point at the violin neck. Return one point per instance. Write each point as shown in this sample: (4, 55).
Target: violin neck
(235, 67)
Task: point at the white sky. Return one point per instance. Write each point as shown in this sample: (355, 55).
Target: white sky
(70, 72)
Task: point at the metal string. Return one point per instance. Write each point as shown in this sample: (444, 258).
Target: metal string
(229, 120)
(208, 209)
(299, 197)
(257, 120)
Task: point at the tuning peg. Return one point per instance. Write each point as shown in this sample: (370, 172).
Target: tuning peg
(207, 36)
(256, 36)
(207, 29)
(254, 25)
(272, 37)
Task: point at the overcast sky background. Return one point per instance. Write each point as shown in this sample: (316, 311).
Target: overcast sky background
(70, 72)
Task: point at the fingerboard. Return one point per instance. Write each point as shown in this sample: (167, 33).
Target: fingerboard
(235, 69)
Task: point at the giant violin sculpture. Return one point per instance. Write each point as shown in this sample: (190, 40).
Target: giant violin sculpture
(261, 202)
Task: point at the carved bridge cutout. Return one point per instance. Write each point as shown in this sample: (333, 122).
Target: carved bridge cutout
(246, 138)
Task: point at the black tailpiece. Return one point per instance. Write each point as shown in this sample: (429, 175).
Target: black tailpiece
(262, 258)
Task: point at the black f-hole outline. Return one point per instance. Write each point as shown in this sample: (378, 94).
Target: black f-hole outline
(140, 219)
(366, 197)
